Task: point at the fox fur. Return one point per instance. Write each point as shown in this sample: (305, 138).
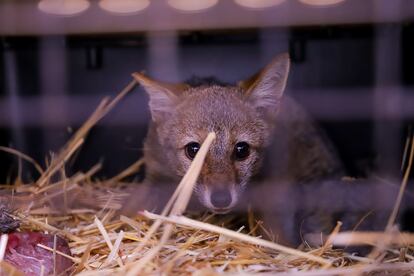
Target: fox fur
(285, 145)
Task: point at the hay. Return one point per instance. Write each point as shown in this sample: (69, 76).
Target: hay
(103, 242)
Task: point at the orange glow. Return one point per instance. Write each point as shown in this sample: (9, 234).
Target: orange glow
(192, 5)
(321, 2)
(63, 7)
(124, 6)
(258, 4)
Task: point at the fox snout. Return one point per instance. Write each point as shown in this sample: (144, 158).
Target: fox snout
(219, 200)
(217, 192)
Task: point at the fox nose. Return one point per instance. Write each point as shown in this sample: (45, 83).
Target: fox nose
(221, 198)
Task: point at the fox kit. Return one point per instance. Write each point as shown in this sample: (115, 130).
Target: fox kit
(251, 120)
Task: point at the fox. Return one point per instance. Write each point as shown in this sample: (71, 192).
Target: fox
(260, 133)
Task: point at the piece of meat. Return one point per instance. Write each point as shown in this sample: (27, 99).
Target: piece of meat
(23, 253)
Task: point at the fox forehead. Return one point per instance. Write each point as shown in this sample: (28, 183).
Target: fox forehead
(219, 109)
(215, 107)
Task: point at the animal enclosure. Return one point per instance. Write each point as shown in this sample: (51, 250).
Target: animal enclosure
(74, 119)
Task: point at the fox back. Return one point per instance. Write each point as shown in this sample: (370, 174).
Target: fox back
(251, 120)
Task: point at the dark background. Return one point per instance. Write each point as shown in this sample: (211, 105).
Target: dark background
(352, 69)
(356, 80)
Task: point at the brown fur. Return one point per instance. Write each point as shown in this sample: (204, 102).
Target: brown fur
(253, 111)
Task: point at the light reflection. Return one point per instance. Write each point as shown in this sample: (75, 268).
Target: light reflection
(321, 3)
(192, 5)
(124, 6)
(258, 4)
(63, 7)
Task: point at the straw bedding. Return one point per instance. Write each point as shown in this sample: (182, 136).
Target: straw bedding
(85, 212)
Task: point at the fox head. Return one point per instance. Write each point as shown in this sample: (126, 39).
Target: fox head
(242, 117)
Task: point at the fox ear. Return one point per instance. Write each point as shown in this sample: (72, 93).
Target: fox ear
(265, 89)
(163, 96)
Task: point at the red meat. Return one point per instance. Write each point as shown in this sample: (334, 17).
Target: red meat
(23, 253)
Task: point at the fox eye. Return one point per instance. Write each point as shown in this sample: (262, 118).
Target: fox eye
(191, 149)
(241, 151)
